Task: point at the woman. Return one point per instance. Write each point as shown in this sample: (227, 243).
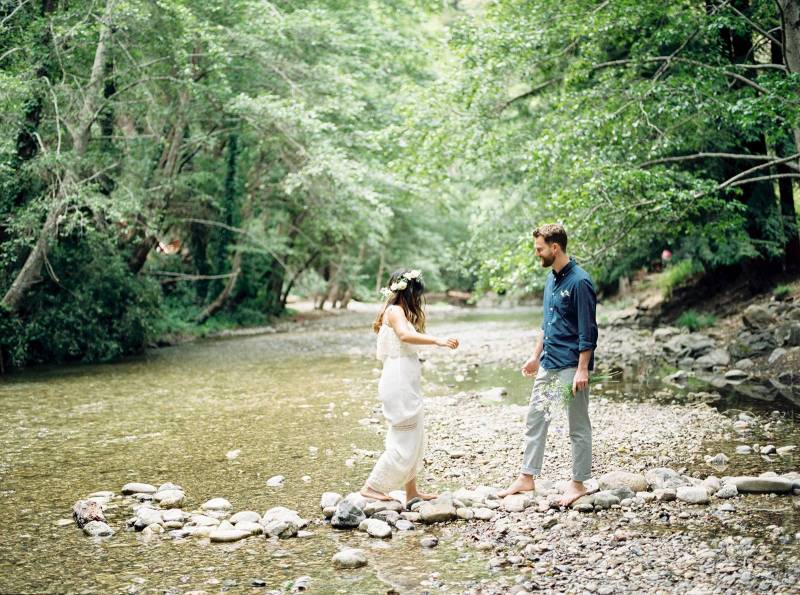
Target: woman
(400, 326)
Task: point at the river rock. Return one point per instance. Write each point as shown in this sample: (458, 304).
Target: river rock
(375, 528)
(173, 515)
(465, 513)
(169, 498)
(483, 513)
(97, 529)
(776, 355)
(86, 511)
(349, 558)
(358, 500)
(728, 490)
(202, 520)
(604, 500)
(743, 449)
(251, 527)
(663, 477)
(328, 512)
(584, 503)
(692, 494)
(138, 488)
(282, 522)
(712, 484)
(468, 497)
(381, 505)
(227, 535)
(348, 515)
(665, 494)
(760, 485)
(714, 358)
(275, 481)
(147, 516)
(437, 511)
(388, 516)
(404, 525)
(217, 504)
(785, 451)
(329, 499)
(429, 542)
(516, 502)
(788, 334)
(757, 317)
(245, 515)
(615, 479)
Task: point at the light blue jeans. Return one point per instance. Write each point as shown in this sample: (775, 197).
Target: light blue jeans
(580, 428)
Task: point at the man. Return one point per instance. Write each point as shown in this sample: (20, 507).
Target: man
(564, 350)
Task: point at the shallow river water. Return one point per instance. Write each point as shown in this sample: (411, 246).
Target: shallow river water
(289, 402)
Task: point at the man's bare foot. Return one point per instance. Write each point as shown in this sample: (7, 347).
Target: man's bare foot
(422, 496)
(575, 490)
(368, 492)
(523, 483)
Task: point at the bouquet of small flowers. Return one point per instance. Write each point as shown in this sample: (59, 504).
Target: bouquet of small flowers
(554, 396)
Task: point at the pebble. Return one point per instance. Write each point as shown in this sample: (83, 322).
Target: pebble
(217, 504)
(693, 494)
(138, 488)
(275, 481)
(349, 558)
(429, 542)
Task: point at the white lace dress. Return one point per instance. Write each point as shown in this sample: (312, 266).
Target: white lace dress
(401, 397)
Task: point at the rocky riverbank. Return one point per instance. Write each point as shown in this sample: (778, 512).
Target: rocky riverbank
(752, 355)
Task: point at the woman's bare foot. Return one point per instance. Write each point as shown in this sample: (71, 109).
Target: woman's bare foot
(523, 483)
(420, 495)
(575, 490)
(368, 492)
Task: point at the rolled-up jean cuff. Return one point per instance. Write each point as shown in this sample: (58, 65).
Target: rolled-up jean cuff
(582, 478)
(531, 472)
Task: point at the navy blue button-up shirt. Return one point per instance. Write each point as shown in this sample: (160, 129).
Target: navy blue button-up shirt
(569, 324)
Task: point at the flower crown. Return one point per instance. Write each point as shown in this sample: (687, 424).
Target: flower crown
(400, 284)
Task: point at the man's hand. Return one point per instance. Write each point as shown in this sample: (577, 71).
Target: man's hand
(530, 367)
(581, 380)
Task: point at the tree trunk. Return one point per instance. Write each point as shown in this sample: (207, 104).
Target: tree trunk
(80, 132)
(381, 267)
(790, 30)
(226, 291)
(791, 248)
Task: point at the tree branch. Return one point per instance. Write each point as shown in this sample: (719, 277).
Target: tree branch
(696, 156)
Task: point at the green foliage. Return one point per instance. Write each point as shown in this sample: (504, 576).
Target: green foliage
(678, 274)
(108, 312)
(782, 291)
(695, 321)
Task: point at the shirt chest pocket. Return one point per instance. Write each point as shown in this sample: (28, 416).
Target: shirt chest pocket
(560, 302)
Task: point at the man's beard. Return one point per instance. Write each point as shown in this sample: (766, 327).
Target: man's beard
(546, 262)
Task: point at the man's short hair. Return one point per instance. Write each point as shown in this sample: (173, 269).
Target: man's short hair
(552, 233)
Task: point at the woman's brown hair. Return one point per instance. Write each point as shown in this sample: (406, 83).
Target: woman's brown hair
(411, 300)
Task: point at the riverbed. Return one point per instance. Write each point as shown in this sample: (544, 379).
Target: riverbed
(220, 417)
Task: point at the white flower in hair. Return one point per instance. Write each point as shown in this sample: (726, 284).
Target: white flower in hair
(413, 274)
(399, 285)
(386, 293)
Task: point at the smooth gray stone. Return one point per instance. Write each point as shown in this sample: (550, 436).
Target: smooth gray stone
(760, 485)
(347, 516)
(138, 488)
(97, 529)
(349, 558)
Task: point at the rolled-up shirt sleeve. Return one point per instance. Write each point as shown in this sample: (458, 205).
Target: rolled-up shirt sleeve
(586, 301)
